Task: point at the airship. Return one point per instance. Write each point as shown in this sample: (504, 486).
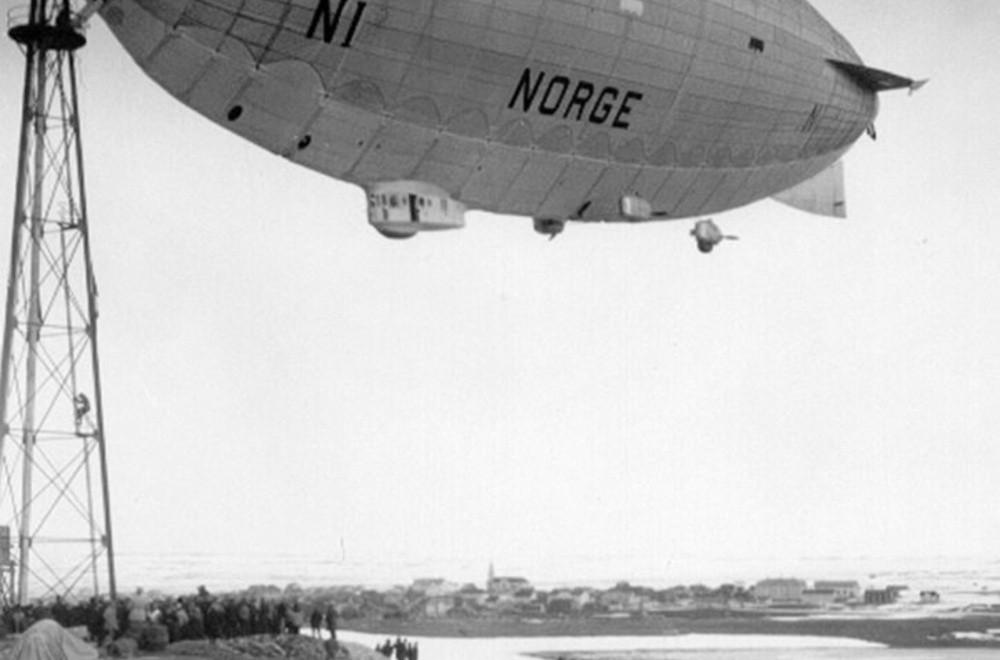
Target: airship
(626, 111)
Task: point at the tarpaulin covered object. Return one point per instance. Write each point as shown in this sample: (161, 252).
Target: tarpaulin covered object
(47, 640)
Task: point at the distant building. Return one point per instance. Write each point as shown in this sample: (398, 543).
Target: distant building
(434, 586)
(501, 586)
(886, 596)
(711, 601)
(621, 600)
(781, 590)
(844, 591)
(472, 596)
(439, 606)
(560, 603)
(566, 601)
(678, 594)
(525, 595)
(584, 597)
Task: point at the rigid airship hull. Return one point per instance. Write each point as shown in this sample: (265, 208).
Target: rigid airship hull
(555, 109)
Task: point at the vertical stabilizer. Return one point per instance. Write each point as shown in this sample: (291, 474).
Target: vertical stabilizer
(822, 195)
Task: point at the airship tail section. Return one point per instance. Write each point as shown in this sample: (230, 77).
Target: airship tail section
(821, 195)
(876, 80)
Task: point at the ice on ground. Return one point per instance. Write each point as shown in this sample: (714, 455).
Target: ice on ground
(515, 648)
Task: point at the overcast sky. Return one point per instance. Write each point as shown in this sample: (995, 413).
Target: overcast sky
(279, 377)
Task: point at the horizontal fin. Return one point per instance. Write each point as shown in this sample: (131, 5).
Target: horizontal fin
(822, 195)
(877, 80)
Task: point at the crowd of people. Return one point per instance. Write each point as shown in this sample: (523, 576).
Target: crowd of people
(401, 649)
(197, 616)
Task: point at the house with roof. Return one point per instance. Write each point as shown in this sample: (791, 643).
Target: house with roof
(780, 590)
(844, 591)
(504, 585)
(886, 596)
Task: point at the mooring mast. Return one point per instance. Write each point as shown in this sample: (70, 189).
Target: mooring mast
(52, 435)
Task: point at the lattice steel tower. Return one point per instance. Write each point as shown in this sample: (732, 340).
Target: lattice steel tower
(55, 521)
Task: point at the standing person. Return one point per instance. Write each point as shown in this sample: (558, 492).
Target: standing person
(268, 616)
(295, 618)
(243, 615)
(111, 621)
(331, 620)
(214, 619)
(196, 620)
(60, 612)
(168, 617)
(95, 621)
(19, 618)
(138, 612)
(255, 614)
(183, 622)
(316, 623)
(231, 619)
(280, 618)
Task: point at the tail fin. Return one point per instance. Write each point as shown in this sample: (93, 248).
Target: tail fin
(876, 80)
(822, 195)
